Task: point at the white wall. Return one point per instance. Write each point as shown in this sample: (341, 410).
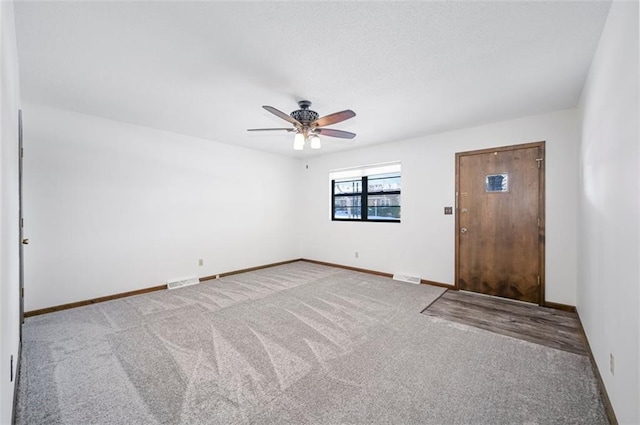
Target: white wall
(609, 211)
(423, 243)
(111, 207)
(9, 248)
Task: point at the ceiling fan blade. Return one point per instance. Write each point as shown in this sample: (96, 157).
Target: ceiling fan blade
(334, 118)
(282, 115)
(335, 133)
(271, 129)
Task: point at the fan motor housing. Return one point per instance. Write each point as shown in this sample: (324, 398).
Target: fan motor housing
(305, 115)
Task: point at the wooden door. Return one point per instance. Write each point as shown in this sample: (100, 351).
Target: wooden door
(500, 222)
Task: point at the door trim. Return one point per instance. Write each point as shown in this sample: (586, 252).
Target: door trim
(541, 210)
(20, 223)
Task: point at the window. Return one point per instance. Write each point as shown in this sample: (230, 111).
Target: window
(370, 193)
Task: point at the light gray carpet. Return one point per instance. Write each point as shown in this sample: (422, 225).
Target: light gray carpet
(298, 344)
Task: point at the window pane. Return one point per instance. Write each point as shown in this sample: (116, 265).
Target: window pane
(352, 213)
(383, 207)
(347, 207)
(383, 213)
(351, 186)
(383, 201)
(497, 183)
(385, 183)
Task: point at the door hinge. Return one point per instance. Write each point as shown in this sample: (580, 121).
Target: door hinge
(538, 222)
(22, 292)
(21, 152)
(22, 222)
(538, 280)
(539, 161)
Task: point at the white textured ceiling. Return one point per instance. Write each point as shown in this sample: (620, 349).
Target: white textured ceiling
(406, 68)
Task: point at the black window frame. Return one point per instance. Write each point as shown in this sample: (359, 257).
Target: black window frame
(364, 198)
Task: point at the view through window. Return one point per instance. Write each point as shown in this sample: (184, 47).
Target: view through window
(368, 193)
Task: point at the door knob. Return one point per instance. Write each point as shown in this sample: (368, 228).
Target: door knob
(25, 241)
(463, 230)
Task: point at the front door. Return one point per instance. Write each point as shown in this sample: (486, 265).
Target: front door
(500, 222)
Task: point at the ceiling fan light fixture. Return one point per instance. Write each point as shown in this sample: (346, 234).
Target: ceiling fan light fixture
(298, 142)
(315, 141)
(307, 125)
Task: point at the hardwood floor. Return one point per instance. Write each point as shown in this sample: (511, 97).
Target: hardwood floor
(539, 325)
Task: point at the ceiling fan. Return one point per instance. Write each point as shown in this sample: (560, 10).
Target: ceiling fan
(308, 126)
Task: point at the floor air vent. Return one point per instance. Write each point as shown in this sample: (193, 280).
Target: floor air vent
(181, 283)
(406, 278)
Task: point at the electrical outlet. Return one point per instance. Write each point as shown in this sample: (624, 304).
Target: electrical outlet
(611, 363)
(356, 254)
(200, 262)
(448, 210)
